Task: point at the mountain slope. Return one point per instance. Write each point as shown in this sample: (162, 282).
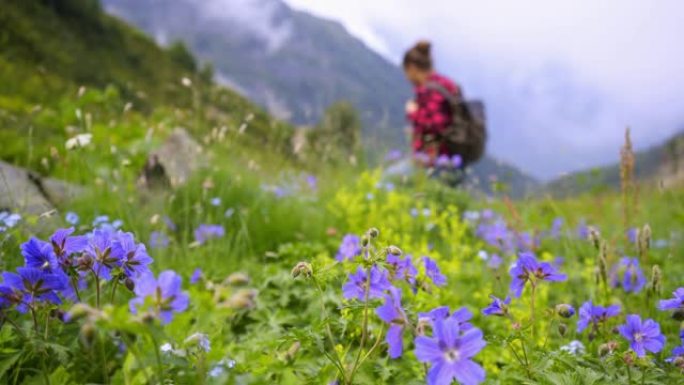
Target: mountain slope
(66, 68)
(294, 64)
(660, 164)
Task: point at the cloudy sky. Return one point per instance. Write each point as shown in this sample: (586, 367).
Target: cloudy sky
(561, 79)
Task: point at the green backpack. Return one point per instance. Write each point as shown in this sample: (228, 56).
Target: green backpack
(467, 134)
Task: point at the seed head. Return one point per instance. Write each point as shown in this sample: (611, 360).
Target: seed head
(302, 268)
(237, 279)
(656, 286)
(373, 232)
(394, 250)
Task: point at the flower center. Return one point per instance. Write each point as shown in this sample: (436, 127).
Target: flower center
(451, 355)
(638, 337)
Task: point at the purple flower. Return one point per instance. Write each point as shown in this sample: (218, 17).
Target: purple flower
(206, 232)
(679, 350)
(590, 314)
(462, 316)
(433, 272)
(349, 248)
(393, 155)
(456, 161)
(449, 352)
(497, 307)
(583, 230)
(163, 295)
(215, 201)
(527, 268)
(494, 261)
(100, 250)
(392, 313)
(376, 282)
(196, 276)
(443, 161)
(642, 336)
(29, 286)
(312, 182)
(632, 234)
(158, 240)
(64, 245)
(496, 234)
(71, 218)
(39, 255)
(402, 269)
(556, 228)
(628, 275)
(674, 303)
(134, 257)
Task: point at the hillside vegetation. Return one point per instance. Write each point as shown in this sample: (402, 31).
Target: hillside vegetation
(275, 266)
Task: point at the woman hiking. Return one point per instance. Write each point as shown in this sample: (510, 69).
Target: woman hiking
(431, 111)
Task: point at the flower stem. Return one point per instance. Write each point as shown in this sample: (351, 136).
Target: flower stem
(532, 312)
(364, 330)
(114, 286)
(160, 368)
(324, 312)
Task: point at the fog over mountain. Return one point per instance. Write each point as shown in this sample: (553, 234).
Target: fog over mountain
(561, 80)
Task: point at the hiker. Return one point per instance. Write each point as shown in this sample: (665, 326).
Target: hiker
(448, 133)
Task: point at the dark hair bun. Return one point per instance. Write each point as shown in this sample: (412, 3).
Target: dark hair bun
(423, 47)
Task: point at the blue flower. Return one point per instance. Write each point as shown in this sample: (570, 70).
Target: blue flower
(134, 257)
(376, 282)
(632, 234)
(8, 220)
(72, 218)
(527, 268)
(196, 276)
(39, 255)
(642, 336)
(449, 352)
(392, 313)
(163, 295)
(674, 303)
(158, 240)
(64, 245)
(215, 201)
(462, 316)
(349, 248)
(433, 272)
(590, 314)
(402, 268)
(494, 261)
(206, 232)
(556, 228)
(100, 250)
(678, 351)
(29, 286)
(497, 307)
(628, 275)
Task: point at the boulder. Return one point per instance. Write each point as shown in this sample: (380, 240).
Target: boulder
(174, 162)
(19, 192)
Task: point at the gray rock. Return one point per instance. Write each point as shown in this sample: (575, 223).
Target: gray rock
(174, 162)
(19, 192)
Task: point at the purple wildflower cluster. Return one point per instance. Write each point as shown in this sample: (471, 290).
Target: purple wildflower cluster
(204, 233)
(59, 270)
(528, 269)
(446, 340)
(628, 275)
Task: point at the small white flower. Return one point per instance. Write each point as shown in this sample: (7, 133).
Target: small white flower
(483, 255)
(574, 347)
(216, 201)
(201, 340)
(186, 82)
(78, 141)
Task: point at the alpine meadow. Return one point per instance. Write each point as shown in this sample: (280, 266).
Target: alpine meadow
(159, 227)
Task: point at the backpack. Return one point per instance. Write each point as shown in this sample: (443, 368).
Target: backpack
(467, 134)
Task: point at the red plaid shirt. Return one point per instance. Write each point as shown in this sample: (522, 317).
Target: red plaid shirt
(432, 117)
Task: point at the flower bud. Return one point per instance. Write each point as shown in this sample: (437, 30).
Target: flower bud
(373, 232)
(365, 241)
(656, 286)
(679, 362)
(292, 351)
(562, 329)
(394, 250)
(564, 310)
(603, 262)
(302, 268)
(87, 335)
(595, 237)
(130, 284)
(243, 299)
(644, 240)
(607, 348)
(678, 315)
(237, 279)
